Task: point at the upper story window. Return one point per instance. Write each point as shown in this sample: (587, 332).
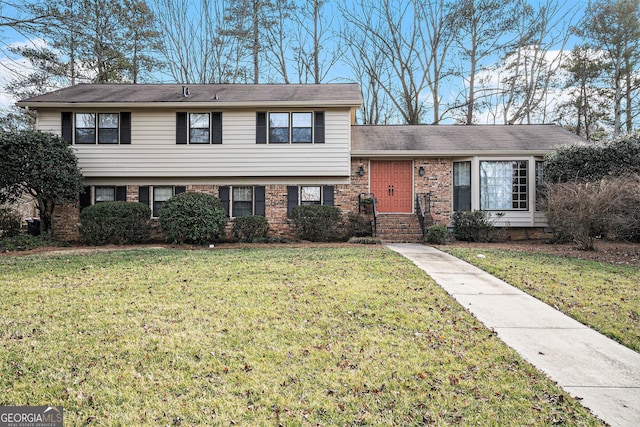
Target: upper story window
(96, 128)
(199, 128)
(503, 185)
(286, 128)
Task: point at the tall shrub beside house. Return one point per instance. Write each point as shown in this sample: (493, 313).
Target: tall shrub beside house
(594, 191)
(192, 218)
(42, 165)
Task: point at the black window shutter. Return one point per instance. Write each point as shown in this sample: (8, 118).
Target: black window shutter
(318, 127)
(261, 127)
(223, 193)
(327, 193)
(292, 199)
(216, 128)
(67, 126)
(125, 128)
(85, 198)
(260, 201)
(143, 194)
(121, 194)
(181, 128)
(179, 189)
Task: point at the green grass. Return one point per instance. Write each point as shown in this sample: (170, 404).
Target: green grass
(261, 336)
(602, 296)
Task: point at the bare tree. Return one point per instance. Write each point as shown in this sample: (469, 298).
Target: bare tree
(318, 47)
(483, 30)
(533, 67)
(192, 46)
(393, 28)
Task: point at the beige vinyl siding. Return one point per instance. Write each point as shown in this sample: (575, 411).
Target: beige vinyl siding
(153, 151)
(50, 121)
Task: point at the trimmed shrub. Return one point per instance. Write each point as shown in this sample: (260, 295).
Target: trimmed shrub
(196, 218)
(316, 223)
(358, 226)
(250, 228)
(437, 235)
(9, 222)
(473, 226)
(115, 222)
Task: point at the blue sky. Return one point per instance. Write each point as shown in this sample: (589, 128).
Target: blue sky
(10, 37)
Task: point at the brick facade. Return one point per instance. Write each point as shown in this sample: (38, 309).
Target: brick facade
(436, 180)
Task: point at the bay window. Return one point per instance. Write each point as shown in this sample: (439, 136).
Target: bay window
(503, 185)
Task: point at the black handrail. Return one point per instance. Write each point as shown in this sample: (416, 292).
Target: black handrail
(423, 211)
(369, 199)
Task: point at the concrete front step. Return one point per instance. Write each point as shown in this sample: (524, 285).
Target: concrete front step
(398, 228)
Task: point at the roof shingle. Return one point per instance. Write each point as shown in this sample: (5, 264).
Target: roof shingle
(459, 139)
(324, 94)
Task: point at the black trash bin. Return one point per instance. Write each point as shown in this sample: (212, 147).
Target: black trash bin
(33, 226)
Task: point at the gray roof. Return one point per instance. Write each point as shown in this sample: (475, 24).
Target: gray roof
(344, 94)
(458, 139)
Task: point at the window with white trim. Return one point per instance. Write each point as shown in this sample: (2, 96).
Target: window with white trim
(462, 186)
(105, 194)
(160, 196)
(503, 185)
(311, 195)
(199, 128)
(103, 128)
(290, 127)
(242, 201)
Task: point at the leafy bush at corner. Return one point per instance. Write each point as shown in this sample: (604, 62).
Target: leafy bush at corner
(115, 222)
(316, 223)
(594, 162)
(437, 235)
(250, 228)
(192, 218)
(473, 226)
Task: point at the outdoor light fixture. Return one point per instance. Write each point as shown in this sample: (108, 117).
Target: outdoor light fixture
(421, 171)
(361, 170)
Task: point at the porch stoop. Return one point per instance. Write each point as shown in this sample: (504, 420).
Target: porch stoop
(398, 228)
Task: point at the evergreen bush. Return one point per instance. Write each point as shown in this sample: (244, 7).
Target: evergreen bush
(317, 223)
(115, 222)
(196, 218)
(250, 228)
(437, 235)
(473, 226)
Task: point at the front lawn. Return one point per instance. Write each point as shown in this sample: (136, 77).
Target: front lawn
(261, 336)
(603, 296)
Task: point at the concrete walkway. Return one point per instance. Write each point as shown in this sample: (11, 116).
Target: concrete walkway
(602, 373)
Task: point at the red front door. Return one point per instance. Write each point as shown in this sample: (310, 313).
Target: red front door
(391, 184)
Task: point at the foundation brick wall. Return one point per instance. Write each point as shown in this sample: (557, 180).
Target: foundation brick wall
(66, 222)
(437, 181)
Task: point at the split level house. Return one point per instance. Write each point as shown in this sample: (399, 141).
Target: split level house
(264, 149)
